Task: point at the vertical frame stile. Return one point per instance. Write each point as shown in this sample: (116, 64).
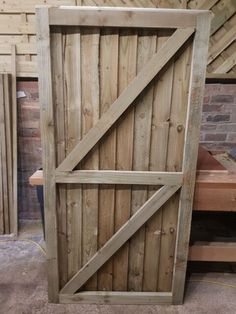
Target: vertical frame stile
(14, 222)
(48, 144)
(196, 90)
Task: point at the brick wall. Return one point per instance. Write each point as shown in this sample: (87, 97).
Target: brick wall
(29, 148)
(218, 130)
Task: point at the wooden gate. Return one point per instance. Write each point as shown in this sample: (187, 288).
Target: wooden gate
(121, 92)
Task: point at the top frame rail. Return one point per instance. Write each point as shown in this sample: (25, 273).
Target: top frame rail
(124, 17)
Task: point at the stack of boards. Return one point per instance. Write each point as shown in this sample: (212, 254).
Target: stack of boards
(7, 154)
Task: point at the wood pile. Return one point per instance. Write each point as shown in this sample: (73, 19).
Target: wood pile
(8, 219)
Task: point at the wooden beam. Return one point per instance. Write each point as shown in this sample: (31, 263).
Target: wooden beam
(222, 12)
(201, 4)
(221, 198)
(227, 65)
(120, 177)
(123, 17)
(119, 238)
(195, 100)
(219, 46)
(150, 70)
(216, 179)
(28, 6)
(221, 76)
(48, 145)
(116, 297)
(213, 252)
(21, 48)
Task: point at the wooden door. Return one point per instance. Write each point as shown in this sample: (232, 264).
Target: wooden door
(121, 92)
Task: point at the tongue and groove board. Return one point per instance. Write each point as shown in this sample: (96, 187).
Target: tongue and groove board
(121, 92)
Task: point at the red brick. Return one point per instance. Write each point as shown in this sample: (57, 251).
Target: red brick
(228, 89)
(206, 127)
(31, 86)
(226, 127)
(218, 118)
(29, 132)
(210, 108)
(206, 99)
(222, 98)
(212, 89)
(218, 137)
(231, 137)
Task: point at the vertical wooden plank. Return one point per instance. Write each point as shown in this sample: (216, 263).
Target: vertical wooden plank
(195, 99)
(14, 221)
(48, 144)
(107, 149)
(90, 115)
(142, 132)
(4, 162)
(72, 100)
(174, 163)
(8, 133)
(124, 153)
(158, 155)
(59, 113)
(1, 182)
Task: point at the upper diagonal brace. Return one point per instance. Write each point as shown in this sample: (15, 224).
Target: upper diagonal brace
(119, 238)
(144, 77)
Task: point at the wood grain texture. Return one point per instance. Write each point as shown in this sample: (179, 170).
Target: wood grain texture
(121, 125)
(8, 152)
(190, 153)
(141, 150)
(124, 145)
(107, 149)
(90, 115)
(157, 161)
(119, 238)
(58, 104)
(121, 104)
(72, 100)
(49, 163)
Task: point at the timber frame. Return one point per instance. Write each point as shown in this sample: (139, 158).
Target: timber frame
(188, 23)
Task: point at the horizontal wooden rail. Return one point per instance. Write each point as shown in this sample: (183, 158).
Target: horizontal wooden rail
(213, 252)
(214, 190)
(216, 179)
(120, 177)
(117, 297)
(124, 17)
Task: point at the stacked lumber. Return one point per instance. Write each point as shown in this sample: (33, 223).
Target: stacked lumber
(8, 223)
(222, 46)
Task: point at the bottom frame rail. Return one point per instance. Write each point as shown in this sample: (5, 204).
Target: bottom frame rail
(115, 297)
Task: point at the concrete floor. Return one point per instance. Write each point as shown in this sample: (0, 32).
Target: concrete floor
(23, 286)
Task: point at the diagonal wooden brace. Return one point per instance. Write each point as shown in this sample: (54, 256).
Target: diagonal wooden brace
(151, 206)
(120, 105)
